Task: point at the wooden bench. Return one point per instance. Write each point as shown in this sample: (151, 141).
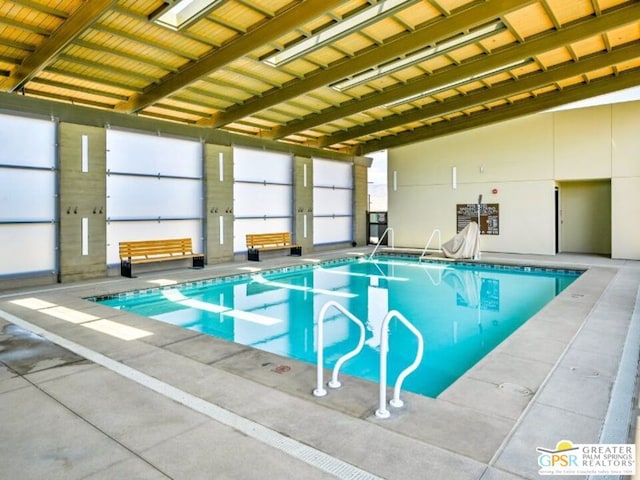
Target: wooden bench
(257, 242)
(148, 251)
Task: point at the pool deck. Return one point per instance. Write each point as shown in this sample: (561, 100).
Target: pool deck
(79, 402)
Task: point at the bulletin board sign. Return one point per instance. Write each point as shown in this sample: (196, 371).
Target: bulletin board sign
(489, 217)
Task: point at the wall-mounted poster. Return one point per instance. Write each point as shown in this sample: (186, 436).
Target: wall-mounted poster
(489, 217)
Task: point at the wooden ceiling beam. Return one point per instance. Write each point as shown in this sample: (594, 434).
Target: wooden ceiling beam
(185, 33)
(266, 32)
(525, 84)
(438, 6)
(551, 14)
(42, 8)
(80, 89)
(107, 69)
(25, 26)
(92, 79)
(86, 14)
(27, 47)
(162, 47)
(575, 32)
(459, 22)
(66, 98)
(257, 8)
(537, 104)
(127, 56)
(10, 60)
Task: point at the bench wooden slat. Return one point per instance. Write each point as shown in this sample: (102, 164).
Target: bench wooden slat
(270, 241)
(147, 251)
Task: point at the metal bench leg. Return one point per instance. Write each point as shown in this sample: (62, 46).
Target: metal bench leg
(198, 262)
(125, 269)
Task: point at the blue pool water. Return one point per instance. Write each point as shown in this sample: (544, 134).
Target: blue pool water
(463, 312)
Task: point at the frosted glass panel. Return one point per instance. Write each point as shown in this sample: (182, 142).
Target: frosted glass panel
(330, 230)
(242, 227)
(38, 240)
(327, 201)
(261, 166)
(146, 197)
(140, 153)
(27, 141)
(332, 173)
(27, 194)
(128, 231)
(253, 200)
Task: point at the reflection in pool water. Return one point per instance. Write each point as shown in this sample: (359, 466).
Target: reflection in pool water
(463, 312)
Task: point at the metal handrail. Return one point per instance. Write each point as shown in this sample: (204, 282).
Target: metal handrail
(437, 282)
(426, 247)
(320, 391)
(382, 411)
(387, 230)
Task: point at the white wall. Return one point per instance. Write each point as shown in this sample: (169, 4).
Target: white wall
(523, 159)
(586, 216)
(625, 184)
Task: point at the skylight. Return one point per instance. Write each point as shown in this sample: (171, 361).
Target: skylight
(338, 30)
(182, 13)
(458, 83)
(419, 56)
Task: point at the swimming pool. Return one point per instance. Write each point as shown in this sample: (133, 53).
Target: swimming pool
(463, 311)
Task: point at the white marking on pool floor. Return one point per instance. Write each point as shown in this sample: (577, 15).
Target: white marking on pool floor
(272, 438)
(252, 317)
(356, 274)
(260, 279)
(177, 297)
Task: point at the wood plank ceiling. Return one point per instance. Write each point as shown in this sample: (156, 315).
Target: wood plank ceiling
(412, 70)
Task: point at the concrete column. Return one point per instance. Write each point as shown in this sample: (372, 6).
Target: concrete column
(303, 202)
(219, 203)
(360, 204)
(83, 193)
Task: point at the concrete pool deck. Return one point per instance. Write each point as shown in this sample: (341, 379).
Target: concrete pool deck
(78, 402)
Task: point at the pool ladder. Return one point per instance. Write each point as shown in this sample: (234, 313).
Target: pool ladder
(388, 232)
(436, 232)
(334, 382)
(396, 402)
